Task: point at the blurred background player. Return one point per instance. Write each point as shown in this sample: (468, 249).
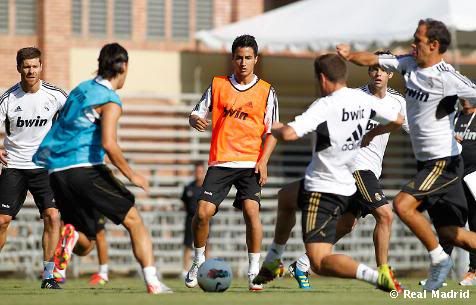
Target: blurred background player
(431, 90)
(74, 150)
(190, 196)
(338, 119)
(465, 128)
(369, 198)
(243, 109)
(28, 109)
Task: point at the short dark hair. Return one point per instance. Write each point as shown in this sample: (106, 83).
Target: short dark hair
(437, 30)
(244, 41)
(332, 66)
(27, 53)
(111, 60)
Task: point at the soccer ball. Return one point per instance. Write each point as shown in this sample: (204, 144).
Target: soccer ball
(214, 275)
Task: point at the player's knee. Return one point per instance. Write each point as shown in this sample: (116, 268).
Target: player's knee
(384, 216)
(203, 215)
(286, 200)
(5, 221)
(52, 217)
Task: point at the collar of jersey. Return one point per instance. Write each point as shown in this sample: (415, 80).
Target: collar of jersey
(102, 81)
(240, 87)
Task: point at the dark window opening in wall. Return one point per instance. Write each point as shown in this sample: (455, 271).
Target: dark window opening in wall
(4, 16)
(122, 18)
(203, 15)
(77, 17)
(156, 19)
(25, 17)
(98, 17)
(181, 19)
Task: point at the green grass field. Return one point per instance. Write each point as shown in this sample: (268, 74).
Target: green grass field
(280, 292)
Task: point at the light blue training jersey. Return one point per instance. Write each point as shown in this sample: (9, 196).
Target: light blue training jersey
(75, 138)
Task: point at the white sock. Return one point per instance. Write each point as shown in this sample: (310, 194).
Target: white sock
(275, 252)
(367, 274)
(48, 268)
(103, 270)
(150, 275)
(199, 255)
(303, 263)
(253, 259)
(437, 255)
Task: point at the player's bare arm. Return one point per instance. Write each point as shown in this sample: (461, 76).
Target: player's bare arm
(3, 157)
(283, 132)
(358, 58)
(262, 165)
(110, 114)
(198, 123)
(382, 129)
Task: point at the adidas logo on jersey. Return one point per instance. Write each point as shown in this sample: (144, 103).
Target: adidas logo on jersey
(353, 142)
(18, 109)
(352, 115)
(32, 122)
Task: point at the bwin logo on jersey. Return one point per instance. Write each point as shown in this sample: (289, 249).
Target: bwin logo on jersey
(353, 142)
(32, 122)
(352, 115)
(371, 125)
(417, 94)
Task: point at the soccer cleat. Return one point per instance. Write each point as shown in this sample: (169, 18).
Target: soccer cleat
(301, 277)
(191, 278)
(97, 279)
(386, 280)
(469, 278)
(423, 282)
(59, 275)
(269, 271)
(158, 288)
(251, 285)
(50, 284)
(437, 274)
(65, 246)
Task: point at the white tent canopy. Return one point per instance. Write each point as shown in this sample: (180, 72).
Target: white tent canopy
(321, 24)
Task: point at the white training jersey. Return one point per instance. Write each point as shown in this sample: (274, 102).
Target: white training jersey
(371, 156)
(339, 122)
(202, 109)
(28, 118)
(431, 94)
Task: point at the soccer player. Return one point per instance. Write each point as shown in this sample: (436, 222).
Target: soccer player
(338, 119)
(369, 198)
(28, 109)
(465, 128)
(73, 151)
(190, 196)
(432, 89)
(243, 108)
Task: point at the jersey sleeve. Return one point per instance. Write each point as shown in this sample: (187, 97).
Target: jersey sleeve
(61, 99)
(403, 112)
(310, 119)
(272, 110)
(457, 84)
(399, 63)
(3, 109)
(204, 106)
(384, 113)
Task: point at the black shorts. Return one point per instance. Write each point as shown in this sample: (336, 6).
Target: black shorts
(100, 223)
(14, 185)
(320, 213)
(188, 233)
(218, 182)
(369, 195)
(438, 184)
(84, 193)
